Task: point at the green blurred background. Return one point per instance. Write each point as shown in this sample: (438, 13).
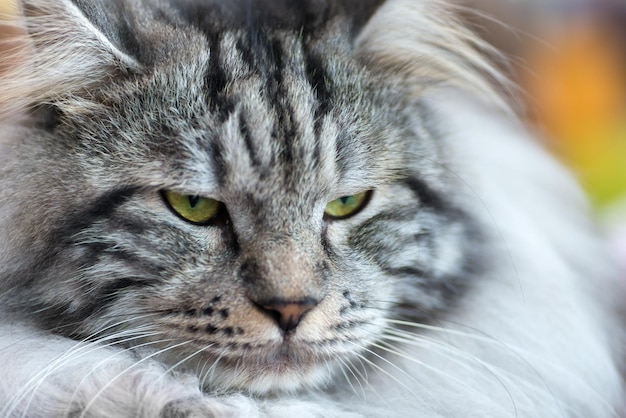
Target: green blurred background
(569, 59)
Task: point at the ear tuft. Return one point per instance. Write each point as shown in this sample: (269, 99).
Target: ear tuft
(425, 42)
(53, 50)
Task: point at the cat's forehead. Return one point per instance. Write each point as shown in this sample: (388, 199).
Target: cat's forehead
(272, 109)
(256, 108)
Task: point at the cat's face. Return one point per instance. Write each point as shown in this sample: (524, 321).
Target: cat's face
(253, 206)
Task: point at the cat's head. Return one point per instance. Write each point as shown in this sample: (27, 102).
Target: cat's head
(254, 190)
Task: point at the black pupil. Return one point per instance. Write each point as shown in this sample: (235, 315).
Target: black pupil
(193, 201)
(344, 200)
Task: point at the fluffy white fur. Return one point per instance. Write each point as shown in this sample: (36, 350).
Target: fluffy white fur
(537, 338)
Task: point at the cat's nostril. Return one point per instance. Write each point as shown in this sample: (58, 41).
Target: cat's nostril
(288, 314)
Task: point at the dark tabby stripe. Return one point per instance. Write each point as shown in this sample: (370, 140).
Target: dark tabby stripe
(245, 53)
(101, 208)
(319, 81)
(427, 196)
(112, 290)
(69, 226)
(219, 166)
(247, 139)
(216, 80)
(412, 271)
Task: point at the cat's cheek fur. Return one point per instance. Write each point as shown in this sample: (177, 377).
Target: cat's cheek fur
(75, 378)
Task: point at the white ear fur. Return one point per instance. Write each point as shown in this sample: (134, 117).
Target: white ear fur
(424, 41)
(56, 51)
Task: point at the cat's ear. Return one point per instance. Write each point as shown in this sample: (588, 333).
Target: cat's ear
(426, 43)
(55, 48)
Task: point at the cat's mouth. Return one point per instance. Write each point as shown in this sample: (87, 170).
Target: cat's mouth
(282, 371)
(282, 357)
(260, 360)
(285, 366)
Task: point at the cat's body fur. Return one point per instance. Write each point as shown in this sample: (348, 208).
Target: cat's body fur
(472, 283)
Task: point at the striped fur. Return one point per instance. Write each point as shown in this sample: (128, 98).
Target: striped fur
(461, 288)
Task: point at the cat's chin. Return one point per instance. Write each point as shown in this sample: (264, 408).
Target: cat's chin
(278, 375)
(279, 369)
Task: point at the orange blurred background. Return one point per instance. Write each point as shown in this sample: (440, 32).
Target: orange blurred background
(569, 58)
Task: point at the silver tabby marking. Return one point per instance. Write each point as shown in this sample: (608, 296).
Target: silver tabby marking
(460, 286)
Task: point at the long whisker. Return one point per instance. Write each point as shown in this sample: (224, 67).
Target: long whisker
(458, 355)
(121, 352)
(347, 366)
(394, 366)
(126, 370)
(77, 351)
(521, 354)
(382, 371)
(448, 375)
(184, 360)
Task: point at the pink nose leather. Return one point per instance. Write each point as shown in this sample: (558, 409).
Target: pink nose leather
(289, 313)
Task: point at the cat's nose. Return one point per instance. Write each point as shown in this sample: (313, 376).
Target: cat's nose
(287, 313)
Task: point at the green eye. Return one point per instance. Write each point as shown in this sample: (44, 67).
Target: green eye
(194, 209)
(346, 206)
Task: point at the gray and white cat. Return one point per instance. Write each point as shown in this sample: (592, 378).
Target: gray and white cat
(220, 208)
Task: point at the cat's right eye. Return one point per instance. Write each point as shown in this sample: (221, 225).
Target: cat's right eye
(347, 206)
(194, 209)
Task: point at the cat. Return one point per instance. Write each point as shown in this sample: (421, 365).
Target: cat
(216, 208)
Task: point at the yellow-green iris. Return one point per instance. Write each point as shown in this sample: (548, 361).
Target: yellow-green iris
(346, 206)
(195, 209)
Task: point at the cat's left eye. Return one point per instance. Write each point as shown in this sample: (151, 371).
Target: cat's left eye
(194, 209)
(347, 206)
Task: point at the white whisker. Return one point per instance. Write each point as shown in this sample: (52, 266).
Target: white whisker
(126, 370)
(390, 375)
(524, 356)
(184, 360)
(346, 365)
(80, 349)
(449, 376)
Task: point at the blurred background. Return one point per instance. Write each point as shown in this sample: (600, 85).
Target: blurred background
(569, 59)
